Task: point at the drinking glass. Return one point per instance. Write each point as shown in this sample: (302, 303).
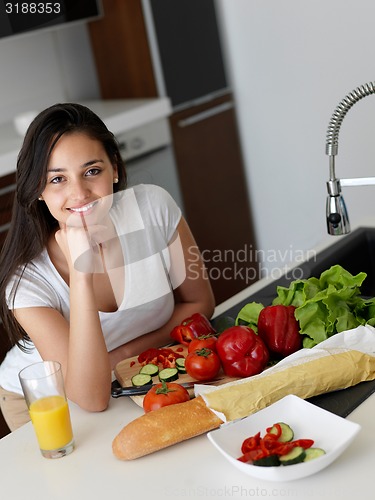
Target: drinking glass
(43, 387)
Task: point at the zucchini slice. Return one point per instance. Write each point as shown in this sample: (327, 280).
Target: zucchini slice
(287, 433)
(150, 369)
(168, 375)
(295, 456)
(312, 453)
(141, 379)
(180, 365)
(270, 461)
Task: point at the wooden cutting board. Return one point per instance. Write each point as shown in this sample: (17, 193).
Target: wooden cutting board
(126, 369)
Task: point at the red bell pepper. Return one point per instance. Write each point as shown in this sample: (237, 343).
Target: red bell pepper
(279, 329)
(257, 447)
(191, 328)
(242, 352)
(164, 356)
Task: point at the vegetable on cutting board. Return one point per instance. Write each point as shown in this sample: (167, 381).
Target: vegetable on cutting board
(202, 364)
(163, 356)
(278, 447)
(191, 328)
(168, 375)
(141, 379)
(180, 365)
(208, 341)
(149, 369)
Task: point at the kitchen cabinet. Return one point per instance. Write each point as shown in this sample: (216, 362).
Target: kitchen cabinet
(210, 167)
(204, 129)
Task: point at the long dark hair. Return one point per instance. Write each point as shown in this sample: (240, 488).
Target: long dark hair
(32, 223)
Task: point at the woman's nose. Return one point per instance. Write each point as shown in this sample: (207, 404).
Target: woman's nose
(79, 190)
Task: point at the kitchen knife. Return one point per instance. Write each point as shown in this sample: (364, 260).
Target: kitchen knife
(118, 391)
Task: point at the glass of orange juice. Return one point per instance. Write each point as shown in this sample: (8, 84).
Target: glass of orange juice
(43, 387)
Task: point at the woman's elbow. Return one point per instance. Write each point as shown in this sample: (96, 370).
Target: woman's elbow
(94, 404)
(208, 304)
(97, 408)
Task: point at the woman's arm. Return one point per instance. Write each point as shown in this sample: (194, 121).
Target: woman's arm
(85, 366)
(78, 345)
(193, 295)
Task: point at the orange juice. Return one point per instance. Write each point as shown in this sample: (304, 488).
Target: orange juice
(51, 420)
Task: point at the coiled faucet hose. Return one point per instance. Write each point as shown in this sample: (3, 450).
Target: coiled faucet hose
(340, 112)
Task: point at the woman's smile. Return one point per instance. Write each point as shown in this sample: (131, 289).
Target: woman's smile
(84, 208)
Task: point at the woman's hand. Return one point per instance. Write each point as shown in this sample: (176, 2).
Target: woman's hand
(82, 247)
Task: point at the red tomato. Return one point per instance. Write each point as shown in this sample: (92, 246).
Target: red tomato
(199, 343)
(202, 364)
(164, 394)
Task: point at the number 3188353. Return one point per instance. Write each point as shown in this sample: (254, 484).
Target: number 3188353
(33, 8)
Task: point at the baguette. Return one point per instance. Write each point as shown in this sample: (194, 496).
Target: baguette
(164, 427)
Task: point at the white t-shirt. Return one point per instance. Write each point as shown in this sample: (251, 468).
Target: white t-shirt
(146, 218)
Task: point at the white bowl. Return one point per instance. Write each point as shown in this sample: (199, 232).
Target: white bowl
(330, 432)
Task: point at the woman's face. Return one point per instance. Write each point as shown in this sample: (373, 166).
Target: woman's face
(80, 180)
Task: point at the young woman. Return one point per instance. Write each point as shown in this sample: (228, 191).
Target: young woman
(91, 273)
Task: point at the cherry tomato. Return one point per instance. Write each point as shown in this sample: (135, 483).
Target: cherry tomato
(202, 364)
(164, 394)
(208, 341)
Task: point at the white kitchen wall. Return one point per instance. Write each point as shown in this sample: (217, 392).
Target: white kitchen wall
(41, 68)
(291, 63)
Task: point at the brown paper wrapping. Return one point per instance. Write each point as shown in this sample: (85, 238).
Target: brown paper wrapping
(324, 372)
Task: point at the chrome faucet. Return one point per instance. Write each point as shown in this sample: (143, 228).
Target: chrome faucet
(337, 215)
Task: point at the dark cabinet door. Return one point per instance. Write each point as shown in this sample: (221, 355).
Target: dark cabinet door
(189, 46)
(121, 51)
(216, 204)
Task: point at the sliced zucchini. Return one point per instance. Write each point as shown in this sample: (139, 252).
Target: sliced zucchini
(180, 365)
(312, 453)
(168, 375)
(287, 433)
(270, 461)
(150, 369)
(141, 379)
(295, 456)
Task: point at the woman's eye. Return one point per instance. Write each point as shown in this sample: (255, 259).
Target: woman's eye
(93, 171)
(56, 180)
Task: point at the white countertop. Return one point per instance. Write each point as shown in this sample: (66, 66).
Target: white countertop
(189, 470)
(120, 115)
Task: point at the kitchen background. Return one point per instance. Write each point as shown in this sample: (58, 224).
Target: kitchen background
(289, 63)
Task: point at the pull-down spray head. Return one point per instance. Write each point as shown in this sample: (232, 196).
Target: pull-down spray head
(337, 215)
